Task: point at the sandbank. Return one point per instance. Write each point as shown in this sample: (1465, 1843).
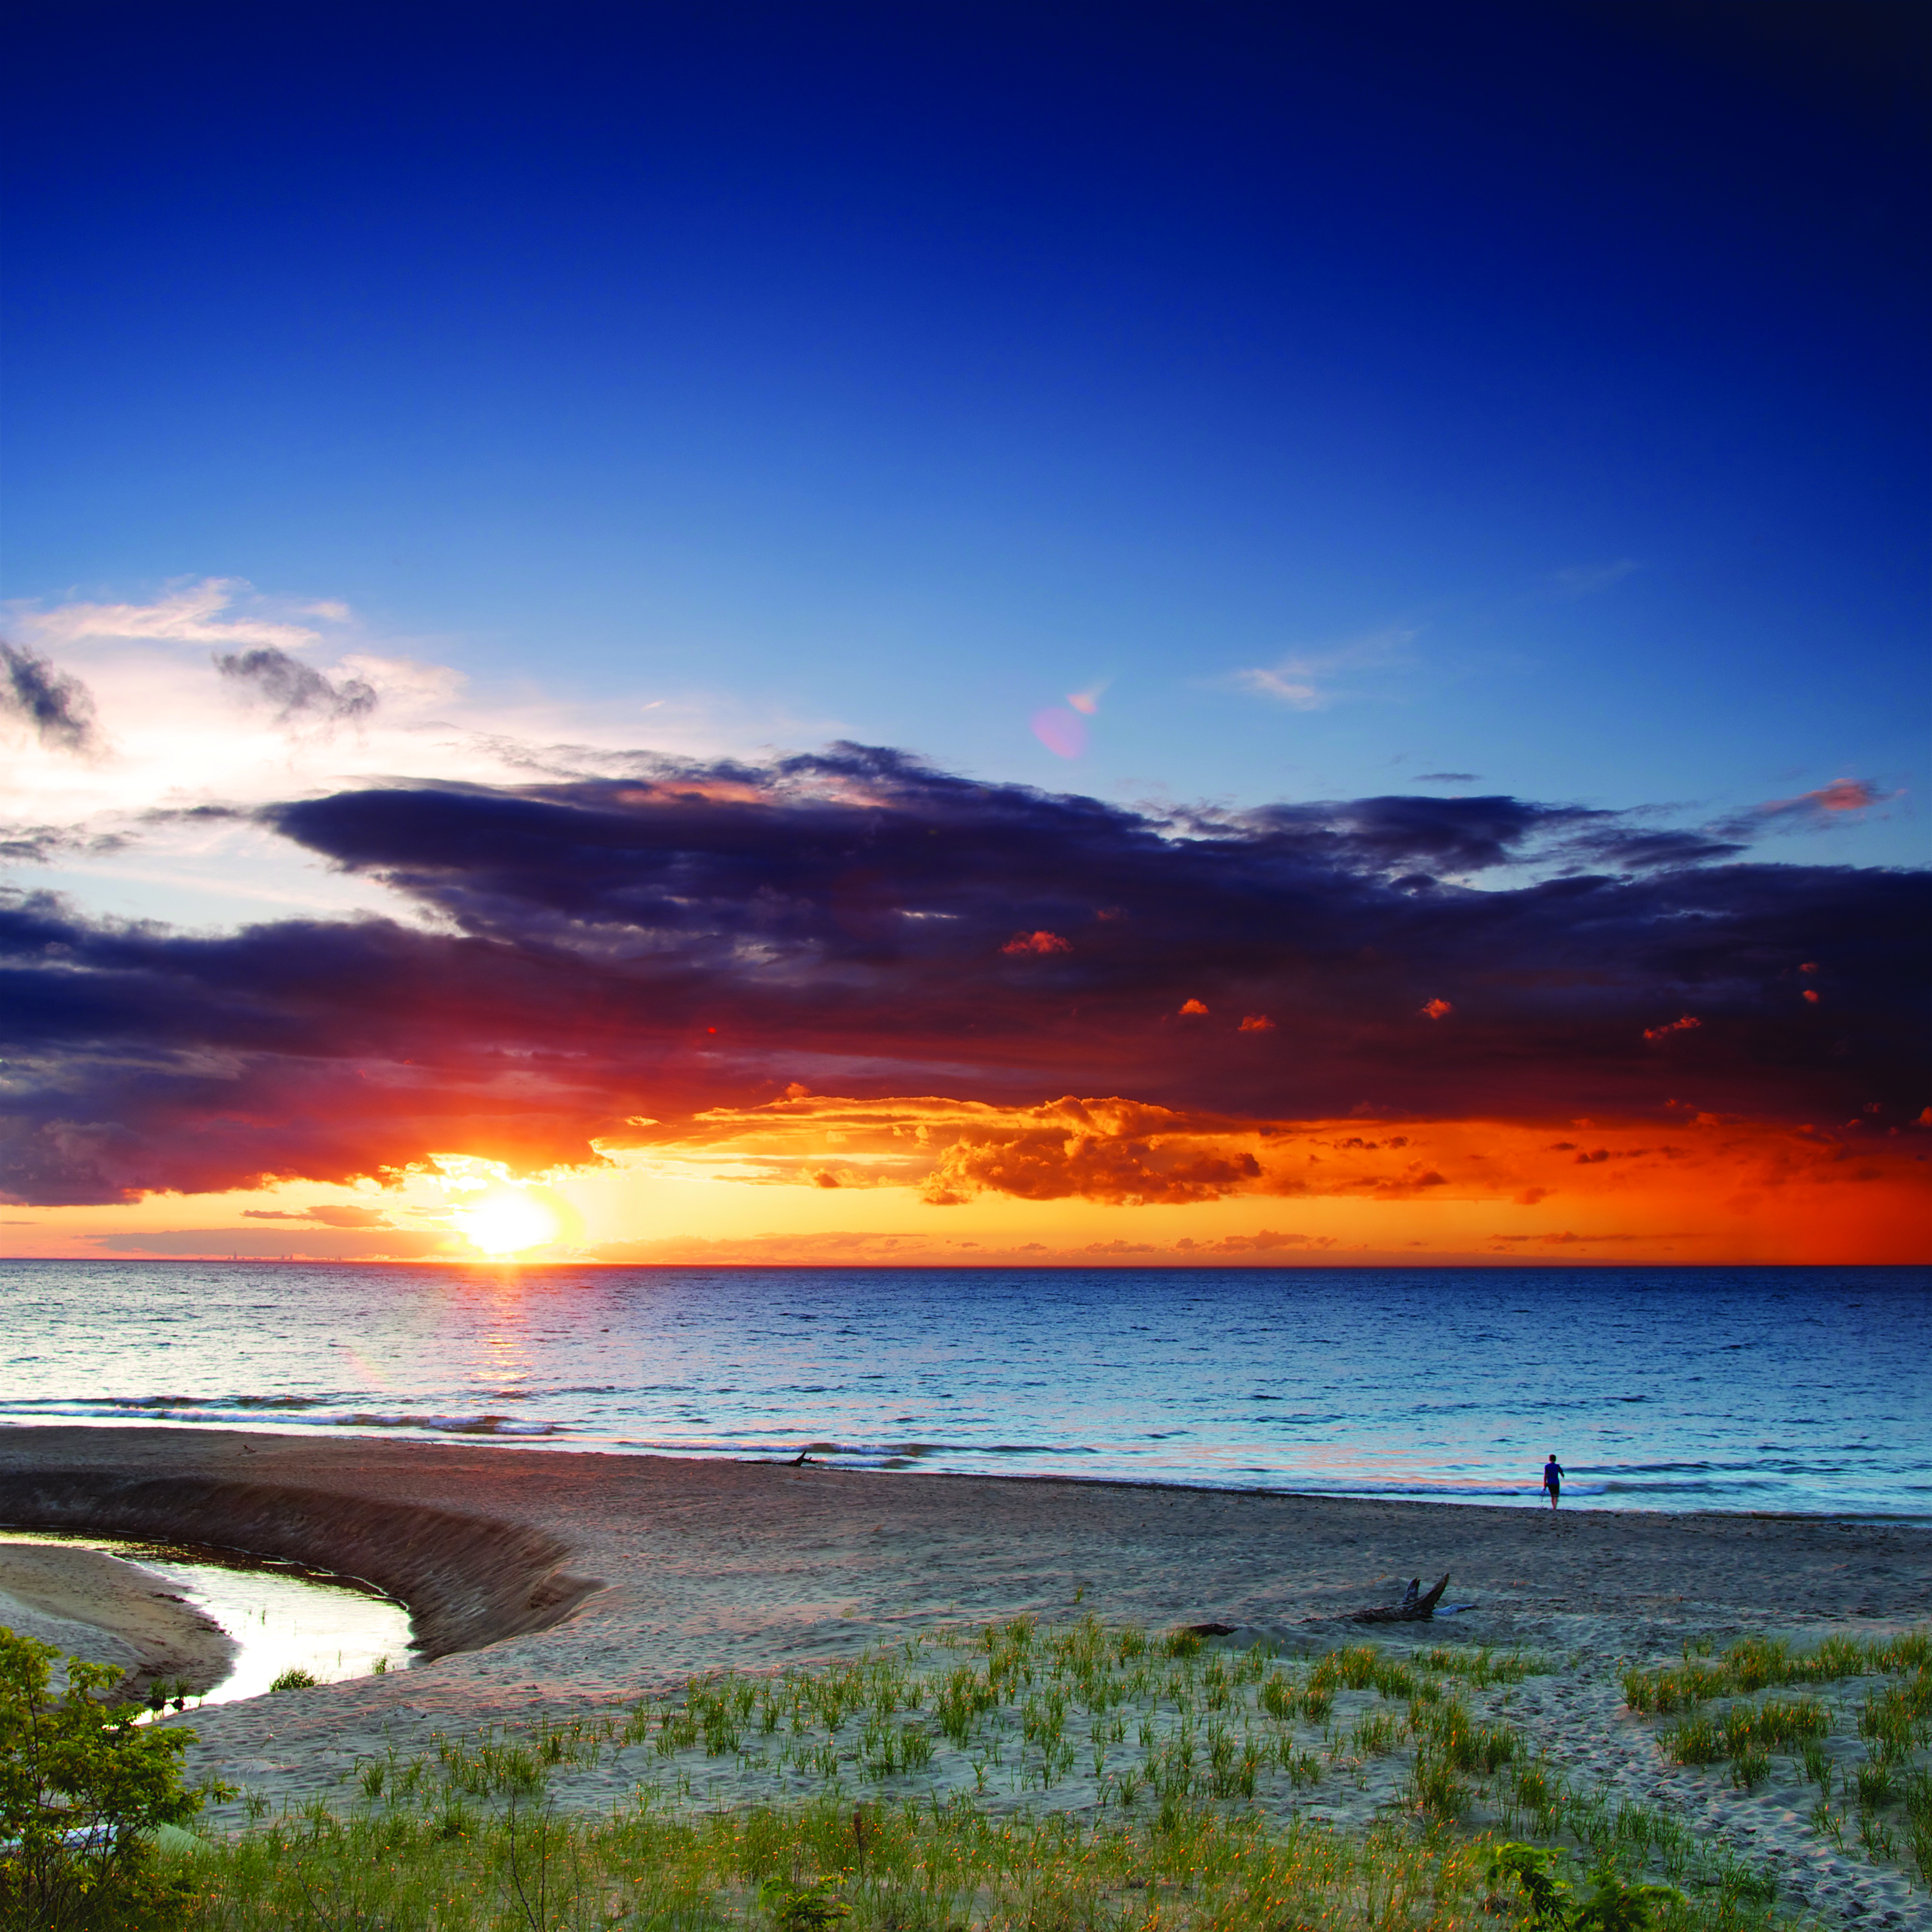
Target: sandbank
(89, 1604)
(549, 1581)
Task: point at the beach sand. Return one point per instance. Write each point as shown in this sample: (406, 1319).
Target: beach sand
(92, 1605)
(587, 1579)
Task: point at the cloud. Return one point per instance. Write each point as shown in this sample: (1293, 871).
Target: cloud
(1684, 1023)
(193, 615)
(1445, 778)
(1113, 1150)
(1041, 942)
(323, 1217)
(1835, 802)
(54, 705)
(583, 952)
(295, 691)
(1311, 680)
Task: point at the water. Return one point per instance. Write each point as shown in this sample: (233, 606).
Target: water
(282, 1616)
(1802, 1390)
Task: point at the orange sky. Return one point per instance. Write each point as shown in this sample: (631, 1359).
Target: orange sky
(817, 1179)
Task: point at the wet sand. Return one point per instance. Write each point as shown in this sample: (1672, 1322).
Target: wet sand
(559, 1583)
(92, 1605)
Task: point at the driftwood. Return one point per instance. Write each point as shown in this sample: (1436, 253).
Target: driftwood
(1415, 1607)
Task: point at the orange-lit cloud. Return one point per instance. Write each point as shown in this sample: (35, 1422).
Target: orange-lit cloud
(1683, 1023)
(613, 981)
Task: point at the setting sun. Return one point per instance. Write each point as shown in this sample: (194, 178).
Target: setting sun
(506, 1223)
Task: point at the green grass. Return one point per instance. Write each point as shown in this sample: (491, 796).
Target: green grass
(897, 1868)
(1759, 1663)
(1021, 1778)
(1894, 1719)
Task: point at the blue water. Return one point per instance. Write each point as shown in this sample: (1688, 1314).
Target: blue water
(1803, 1389)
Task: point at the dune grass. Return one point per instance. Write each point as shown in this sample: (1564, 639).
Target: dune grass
(1019, 1778)
(1891, 1795)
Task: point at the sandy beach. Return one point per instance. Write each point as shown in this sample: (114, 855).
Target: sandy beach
(561, 1583)
(97, 1607)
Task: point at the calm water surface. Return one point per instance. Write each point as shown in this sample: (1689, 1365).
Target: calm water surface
(1783, 1389)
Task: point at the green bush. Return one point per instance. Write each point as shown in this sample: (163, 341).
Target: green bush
(81, 1785)
(1612, 1904)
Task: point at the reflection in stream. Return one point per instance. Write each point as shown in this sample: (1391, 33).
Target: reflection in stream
(281, 1615)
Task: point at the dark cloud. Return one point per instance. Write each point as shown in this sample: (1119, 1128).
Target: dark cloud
(55, 706)
(39, 844)
(700, 938)
(298, 692)
(1445, 778)
(1454, 834)
(1630, 849)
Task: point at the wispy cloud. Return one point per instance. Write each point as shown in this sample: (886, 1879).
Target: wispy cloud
(1313, 679)
(196, 613)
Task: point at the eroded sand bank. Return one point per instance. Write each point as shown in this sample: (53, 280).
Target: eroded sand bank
(588, 1578)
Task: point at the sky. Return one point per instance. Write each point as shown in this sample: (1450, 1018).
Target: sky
(1144, 633)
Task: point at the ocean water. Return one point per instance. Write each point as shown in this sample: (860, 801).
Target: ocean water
(1803, 1389)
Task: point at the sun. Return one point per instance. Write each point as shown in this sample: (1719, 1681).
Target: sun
(506, 1223)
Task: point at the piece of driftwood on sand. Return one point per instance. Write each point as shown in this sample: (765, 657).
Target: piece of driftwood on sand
(1415, 1608)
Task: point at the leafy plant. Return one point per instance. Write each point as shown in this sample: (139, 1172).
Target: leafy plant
(294, 1679)
(811, 1908)
(1612, 1904)
(80, 1783)
(1535, 1869)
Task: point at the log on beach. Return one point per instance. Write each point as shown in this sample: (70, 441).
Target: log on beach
(1415, 1607)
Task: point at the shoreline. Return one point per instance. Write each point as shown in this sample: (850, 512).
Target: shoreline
(487, 1444)
(527, 1542)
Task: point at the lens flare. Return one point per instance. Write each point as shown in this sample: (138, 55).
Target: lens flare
(1063, 733)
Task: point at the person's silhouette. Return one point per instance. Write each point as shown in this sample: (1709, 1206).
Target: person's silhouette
(1552, 1478)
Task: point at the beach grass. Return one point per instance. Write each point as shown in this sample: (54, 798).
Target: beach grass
(1891, 1795)
(1041, 1778)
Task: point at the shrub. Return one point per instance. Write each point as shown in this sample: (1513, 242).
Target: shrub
(80, 1783)
(294, 1679)
(811, 1908)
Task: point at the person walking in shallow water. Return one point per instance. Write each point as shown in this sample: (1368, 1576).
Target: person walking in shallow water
(1552, 1478)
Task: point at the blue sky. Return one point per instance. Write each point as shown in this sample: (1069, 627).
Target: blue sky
(1336, 397)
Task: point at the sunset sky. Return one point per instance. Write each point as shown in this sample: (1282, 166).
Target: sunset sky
(1140, 633)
